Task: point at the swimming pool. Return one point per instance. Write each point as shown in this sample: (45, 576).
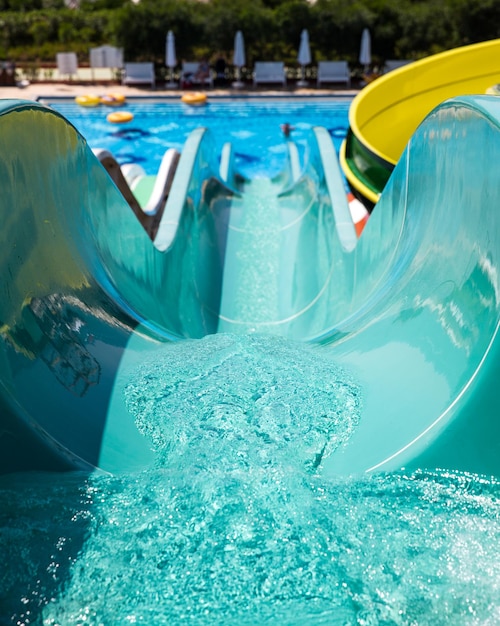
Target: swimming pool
(252, 125)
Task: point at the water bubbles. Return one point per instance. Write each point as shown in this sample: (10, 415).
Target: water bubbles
(236, 523)
(240, 402)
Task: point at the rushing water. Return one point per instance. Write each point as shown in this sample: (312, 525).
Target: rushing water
(235, 523)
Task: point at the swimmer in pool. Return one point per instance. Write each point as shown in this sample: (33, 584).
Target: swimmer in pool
(286, 129)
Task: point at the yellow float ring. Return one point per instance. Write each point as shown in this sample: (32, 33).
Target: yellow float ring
(113, 99)
(195, 98)
(120, 117)
(88, 100)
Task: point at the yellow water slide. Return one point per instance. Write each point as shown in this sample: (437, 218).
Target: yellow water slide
(386, 113)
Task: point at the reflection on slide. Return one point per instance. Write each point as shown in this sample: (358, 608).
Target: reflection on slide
(410, 310)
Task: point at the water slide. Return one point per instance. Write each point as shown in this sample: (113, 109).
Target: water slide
(386, 113)
(410, 310)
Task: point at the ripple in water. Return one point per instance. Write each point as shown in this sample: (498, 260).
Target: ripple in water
(235, 524)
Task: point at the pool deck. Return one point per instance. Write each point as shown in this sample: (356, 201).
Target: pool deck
(53, 89)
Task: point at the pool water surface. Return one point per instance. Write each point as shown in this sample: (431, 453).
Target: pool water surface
(253, 126)
(236, 523)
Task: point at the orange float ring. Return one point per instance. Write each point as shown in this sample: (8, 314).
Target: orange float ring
(120, 117)
(195, 98)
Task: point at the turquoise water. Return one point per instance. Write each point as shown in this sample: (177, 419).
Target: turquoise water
(235, 523)
(251, 125)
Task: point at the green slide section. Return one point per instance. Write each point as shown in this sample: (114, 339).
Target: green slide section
(386, 113)
(411, 309)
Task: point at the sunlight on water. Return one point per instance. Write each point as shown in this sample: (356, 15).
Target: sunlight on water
(251, 125)
(236, 524)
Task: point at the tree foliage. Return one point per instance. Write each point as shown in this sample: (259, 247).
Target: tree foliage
(37, 29)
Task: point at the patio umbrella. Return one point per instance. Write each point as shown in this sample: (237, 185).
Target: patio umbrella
(365, 52)
(238, 57)
(304, 56)
(170, 58)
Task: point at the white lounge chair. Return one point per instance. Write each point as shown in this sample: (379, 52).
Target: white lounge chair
(139, 74)
(105, 58)
(269, 72)
(333, 72)
(67, 63)
(394, 64)
(188, 67)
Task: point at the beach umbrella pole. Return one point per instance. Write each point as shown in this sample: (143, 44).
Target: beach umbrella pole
(171, 83)
(304, 57)
(238, 58)
(170, 59)
(238, 84)
(302, 82)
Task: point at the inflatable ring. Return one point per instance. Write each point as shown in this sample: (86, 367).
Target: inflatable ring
(195, 98)
(88, 100)
(120, 117)
(113, 99)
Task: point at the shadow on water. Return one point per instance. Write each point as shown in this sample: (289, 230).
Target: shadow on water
(44, 521)
(339, 132)
(129, 157)
(130, 134)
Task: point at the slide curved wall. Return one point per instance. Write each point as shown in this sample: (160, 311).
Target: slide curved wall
(423, 335)
(412, 311)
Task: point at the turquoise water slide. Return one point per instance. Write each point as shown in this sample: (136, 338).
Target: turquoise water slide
(410, 310)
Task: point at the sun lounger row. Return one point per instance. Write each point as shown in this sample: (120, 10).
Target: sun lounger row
(328, 72)
(265, 72)
(333, 72)
(269, 72)
(393, 64)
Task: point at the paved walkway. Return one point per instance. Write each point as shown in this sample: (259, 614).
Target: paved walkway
(36, 90)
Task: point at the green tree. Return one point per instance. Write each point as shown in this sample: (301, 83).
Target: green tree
(252, 17)
(141, 29)
(476, 20)
(36, 29)
(291, 18)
